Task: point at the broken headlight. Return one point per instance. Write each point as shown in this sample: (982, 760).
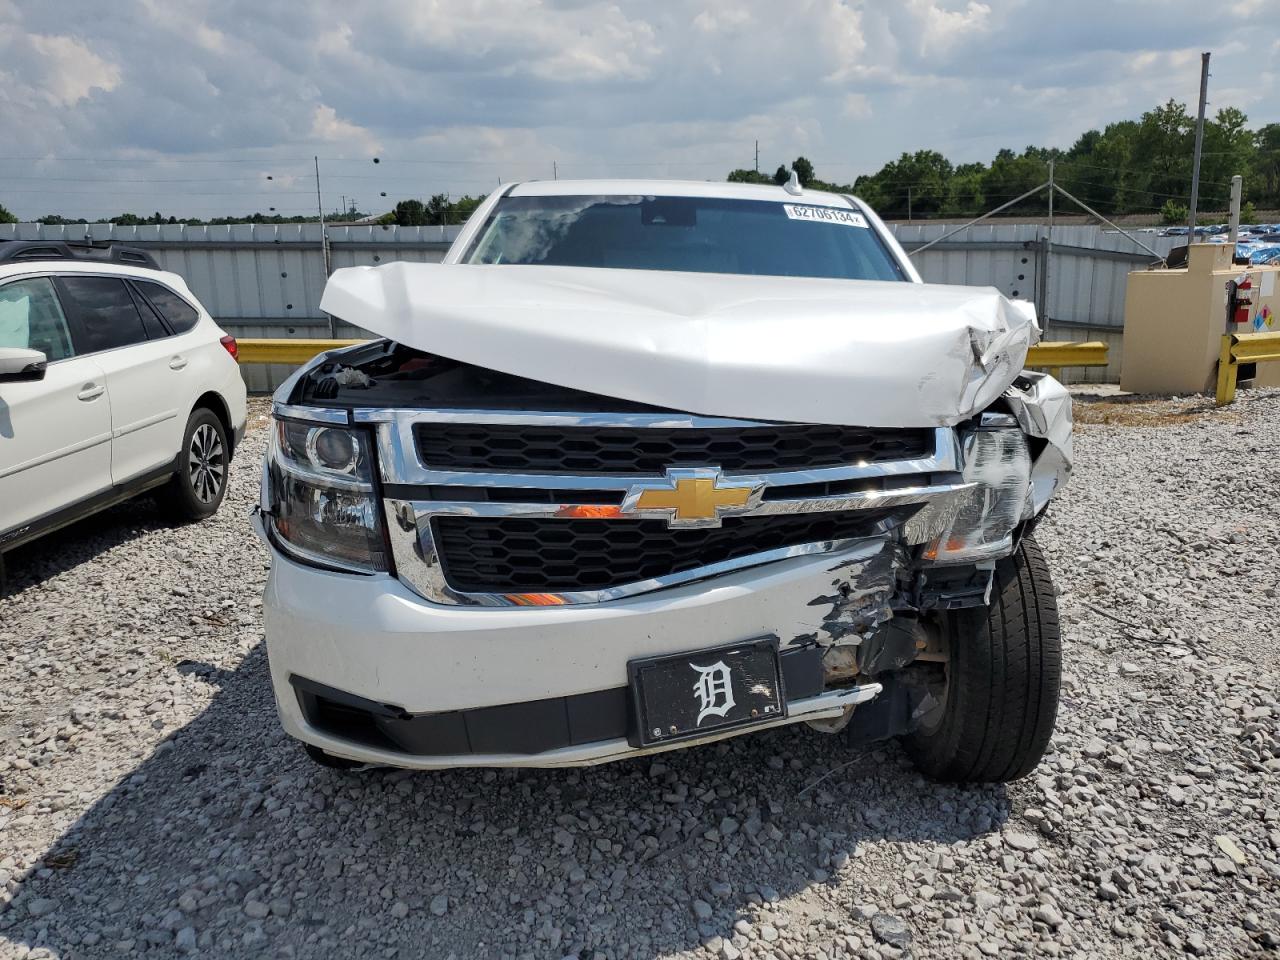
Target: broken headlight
(321, 499)
(997, 460)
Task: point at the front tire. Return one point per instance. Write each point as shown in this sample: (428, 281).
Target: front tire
(330, 761)
(1002, 679)
(204, 465)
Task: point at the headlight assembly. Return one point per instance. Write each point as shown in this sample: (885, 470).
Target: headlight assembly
(322, 506)
(997, 460)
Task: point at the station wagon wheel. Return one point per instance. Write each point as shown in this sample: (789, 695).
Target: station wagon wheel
(203, 467)
(206, 463)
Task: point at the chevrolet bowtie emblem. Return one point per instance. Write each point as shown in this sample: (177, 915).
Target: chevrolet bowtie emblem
(692, 497)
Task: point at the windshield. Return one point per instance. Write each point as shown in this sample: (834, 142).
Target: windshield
(692, 234)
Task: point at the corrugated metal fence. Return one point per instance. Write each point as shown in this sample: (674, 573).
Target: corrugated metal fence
(265, 280)
(1082, 297)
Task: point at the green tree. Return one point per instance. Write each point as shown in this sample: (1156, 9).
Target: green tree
(918, 182)
(6, 216)
(964, 191)
(439, 210)
(748, 176)
(804, 171)
(781, 175)
(1161, 157)
(1010, 176)
(1266, 165)
(1098, 168)
(465, 207)
(1229, 149)
(1173, 213)
(410, 213)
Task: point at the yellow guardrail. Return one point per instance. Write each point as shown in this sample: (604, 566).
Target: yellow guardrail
(1238, 348)
(1051, 354)
(1062, 353)
(285, 351)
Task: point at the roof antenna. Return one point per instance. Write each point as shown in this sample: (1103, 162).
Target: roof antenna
(792, 186)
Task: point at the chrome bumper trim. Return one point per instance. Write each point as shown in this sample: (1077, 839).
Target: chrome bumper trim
(418, 564)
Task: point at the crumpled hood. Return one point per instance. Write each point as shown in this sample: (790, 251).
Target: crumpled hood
(849, 352)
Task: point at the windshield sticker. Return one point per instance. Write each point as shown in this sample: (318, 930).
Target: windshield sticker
(845, 218)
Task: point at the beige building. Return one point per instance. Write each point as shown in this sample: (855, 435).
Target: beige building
(1174, 321)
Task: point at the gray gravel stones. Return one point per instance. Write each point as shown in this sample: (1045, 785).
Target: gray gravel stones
(150, 805)
(891, 930)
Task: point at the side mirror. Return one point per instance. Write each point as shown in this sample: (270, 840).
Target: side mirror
(17, 364)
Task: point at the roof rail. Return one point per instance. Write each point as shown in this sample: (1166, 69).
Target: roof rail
(22, 251)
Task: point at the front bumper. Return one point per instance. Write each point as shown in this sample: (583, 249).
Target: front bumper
(376, 641)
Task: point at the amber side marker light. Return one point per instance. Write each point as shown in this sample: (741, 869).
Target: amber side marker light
(589, 512)
(536, 599)
(954, 544)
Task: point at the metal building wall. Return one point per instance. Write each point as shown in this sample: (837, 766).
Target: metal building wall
(265, 280)
(1080, 298)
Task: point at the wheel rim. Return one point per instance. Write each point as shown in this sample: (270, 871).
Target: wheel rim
(206, 463)
(938, 687)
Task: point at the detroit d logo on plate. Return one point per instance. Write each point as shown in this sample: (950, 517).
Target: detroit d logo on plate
(714, 690)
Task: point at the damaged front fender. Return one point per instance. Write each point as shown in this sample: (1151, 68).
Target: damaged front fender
(1042, 407)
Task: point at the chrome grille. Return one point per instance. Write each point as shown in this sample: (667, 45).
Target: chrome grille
(527, 448)
(534, 535)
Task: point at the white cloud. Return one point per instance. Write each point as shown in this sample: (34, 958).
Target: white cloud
(940, 29)
(723, 19)
(71, 71)
(326, 125)
(210, 39)
(474, 90)
(857, 106)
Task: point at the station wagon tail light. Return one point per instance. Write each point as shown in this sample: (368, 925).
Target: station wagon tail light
(996, 458)
(322, 503)
(229, 344)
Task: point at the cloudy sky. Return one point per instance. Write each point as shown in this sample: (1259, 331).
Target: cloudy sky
(189, 106)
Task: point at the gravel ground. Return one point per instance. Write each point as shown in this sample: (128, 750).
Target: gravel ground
(150, 804)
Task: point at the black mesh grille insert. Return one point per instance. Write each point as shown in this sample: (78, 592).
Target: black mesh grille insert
(537, 555)
(534, 449)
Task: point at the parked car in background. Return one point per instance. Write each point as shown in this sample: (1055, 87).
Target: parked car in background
(113, 381)
(646, 464)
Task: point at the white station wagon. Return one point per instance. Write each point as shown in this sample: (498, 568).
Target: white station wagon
(113, 381)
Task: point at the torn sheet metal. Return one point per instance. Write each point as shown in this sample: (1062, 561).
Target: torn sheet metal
(859, 600)
(1043, 410)
(847, 352)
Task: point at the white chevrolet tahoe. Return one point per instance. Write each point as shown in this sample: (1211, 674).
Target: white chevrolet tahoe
(113, 381)
(647, 464)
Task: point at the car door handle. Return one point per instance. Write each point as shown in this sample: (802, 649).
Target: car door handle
(177, 363)
(91, 391)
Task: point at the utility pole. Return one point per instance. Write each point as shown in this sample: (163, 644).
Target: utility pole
(1195, 163)
(1234, 230)
(1048, 256)
(757, 166)
(555, 171)
(908, 203)
(324, 236)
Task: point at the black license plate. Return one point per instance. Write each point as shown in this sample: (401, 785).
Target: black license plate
(692, 694)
